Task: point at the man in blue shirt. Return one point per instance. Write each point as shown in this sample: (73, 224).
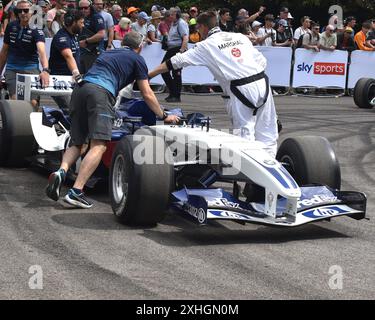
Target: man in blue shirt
(92, 35)
(22, 49)
(64, 55)
(92, 113)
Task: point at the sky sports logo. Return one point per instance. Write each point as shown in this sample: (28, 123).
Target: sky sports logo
(323, 68)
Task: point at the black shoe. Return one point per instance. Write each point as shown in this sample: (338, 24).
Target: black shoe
(77, 200)
(173, 99)
(55, 181)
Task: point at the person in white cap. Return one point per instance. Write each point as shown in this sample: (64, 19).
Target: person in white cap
(240, 70)
(255, 26)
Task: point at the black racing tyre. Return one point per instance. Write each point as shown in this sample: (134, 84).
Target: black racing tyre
(310, 160)
(139, 191)
(16, 136)
(364, 92)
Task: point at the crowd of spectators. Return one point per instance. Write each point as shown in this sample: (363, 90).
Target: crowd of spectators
(105, 21)
(262, 27)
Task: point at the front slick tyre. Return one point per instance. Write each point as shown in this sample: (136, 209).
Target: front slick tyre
(139, 185)
(310, 160)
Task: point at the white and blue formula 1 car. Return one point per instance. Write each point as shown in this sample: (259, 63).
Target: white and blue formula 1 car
(190, 167)
(300, 187)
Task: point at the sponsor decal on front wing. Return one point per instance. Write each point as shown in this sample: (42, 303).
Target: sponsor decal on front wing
(197, 213)
(315, 200)
(222, 202)
(228, 214)
(328, 211)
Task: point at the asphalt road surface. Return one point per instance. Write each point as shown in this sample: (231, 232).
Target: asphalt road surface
(87, 254)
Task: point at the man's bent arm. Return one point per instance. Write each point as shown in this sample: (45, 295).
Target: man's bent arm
(150, 98)
(97, 37)
(70, 61)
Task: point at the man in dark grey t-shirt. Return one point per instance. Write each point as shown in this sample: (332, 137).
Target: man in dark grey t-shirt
(178, 38)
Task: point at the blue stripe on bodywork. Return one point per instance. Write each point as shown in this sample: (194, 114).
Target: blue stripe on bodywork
(278, 176)
(274, 173)
(289, 177)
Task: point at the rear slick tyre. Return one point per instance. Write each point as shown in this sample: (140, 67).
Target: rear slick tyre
(16, 136)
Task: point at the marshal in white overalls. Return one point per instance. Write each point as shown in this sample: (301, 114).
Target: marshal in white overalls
(232, 59)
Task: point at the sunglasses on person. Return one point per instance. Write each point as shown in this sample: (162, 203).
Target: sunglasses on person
(22, 10)
(83, 8)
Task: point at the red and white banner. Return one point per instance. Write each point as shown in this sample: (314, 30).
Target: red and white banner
(320, 69)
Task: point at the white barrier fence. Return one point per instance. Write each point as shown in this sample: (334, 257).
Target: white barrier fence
(320, 69)
(361, 66)
(279, 65)
(311, 69)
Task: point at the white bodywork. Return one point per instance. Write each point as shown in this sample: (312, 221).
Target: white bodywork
(29, 83)
(47, 137)
(241, 156)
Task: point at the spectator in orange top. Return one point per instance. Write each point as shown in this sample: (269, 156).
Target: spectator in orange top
(194, 35)
(360, 38)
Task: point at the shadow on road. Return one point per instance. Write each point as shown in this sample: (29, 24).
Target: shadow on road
(223, 236)
(178, 232)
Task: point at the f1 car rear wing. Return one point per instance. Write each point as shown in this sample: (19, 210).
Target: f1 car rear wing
(26, 84)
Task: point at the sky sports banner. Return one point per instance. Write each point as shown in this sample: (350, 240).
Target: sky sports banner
(361, 66)
(320, 69)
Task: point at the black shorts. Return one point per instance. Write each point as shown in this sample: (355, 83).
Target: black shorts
(91, 111)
